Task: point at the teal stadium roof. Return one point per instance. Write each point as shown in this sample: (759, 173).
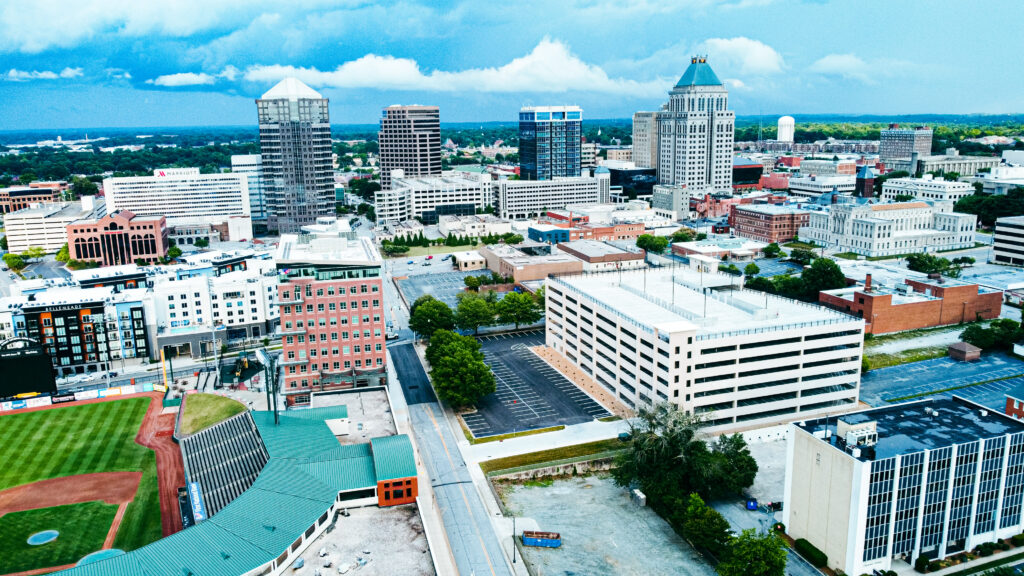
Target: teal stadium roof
(298, 485)
(699, 73)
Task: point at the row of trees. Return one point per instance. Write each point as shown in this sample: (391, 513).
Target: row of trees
(474, 311)
(669, 459)
(475, 282)
(932, 264)
(63, 255)
(989, 208)
(1001, 334)
(823, 274)
(457, 369)
(18, 262)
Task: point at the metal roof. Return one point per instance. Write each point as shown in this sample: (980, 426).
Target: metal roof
(393, 457)
(298, 485)
(699, 73)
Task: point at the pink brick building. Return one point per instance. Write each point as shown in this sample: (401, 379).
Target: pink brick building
(332, 313)
(118, 238)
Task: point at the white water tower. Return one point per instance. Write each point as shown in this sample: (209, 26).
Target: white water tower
(786, 127)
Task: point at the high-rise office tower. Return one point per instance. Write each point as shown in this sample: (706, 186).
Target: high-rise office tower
(645, 139)
(550, 142)
(696, 132)
(409, 140)
(900, 143)
(295, 146)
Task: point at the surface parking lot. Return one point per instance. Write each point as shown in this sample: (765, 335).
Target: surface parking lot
(444, 285)
(879, 387)
(530, 393)
(771, 267)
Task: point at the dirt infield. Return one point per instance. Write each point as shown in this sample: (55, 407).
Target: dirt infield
(110, 487)
(154, 433)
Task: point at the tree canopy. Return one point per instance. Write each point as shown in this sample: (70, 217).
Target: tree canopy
(753, 554)
(458, 371)
(473, 312)
(651, 243)
(518, 308)
(429, 316)
(988, 208)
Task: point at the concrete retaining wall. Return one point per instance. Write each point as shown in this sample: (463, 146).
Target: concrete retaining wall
(569, 469)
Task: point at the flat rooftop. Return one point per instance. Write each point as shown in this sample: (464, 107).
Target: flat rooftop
(673, 299)
(594, 248)
(54, 210)
(329, 250)
(770, 209)
(908, 428)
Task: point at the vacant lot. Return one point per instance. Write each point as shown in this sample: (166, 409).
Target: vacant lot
(603, 532)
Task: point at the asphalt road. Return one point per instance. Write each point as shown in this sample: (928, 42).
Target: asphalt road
(472, 539)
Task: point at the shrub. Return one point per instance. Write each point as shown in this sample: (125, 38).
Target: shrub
(1018, 540)
(816, 557)
(780, 527)
(934, 566)
(921, 564)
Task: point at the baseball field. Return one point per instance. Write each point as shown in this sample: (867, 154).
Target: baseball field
(83, 471)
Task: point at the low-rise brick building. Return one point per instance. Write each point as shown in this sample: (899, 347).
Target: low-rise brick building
(18, 197)
(603, 256)
(118, 238)
(766, 222)
(916, 303)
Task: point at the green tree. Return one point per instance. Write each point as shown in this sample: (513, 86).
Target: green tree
(653, 244)
(472, 282)
(705, 527)
(682, 235)
(84, 187)
(734, 462)
(431, 316)
(33, 253)
(460, 378)
(801, 256)
(394, 249)
(824, 274)
(201, 243)
(27, 178)
(751, 269)
(1001, 334)
(473, 312)
(442, 340)
(3, 243)
(63, 254)
(701, 236)
(753, 554)
(173, 252)
(772, 250)
(927, 263)
(539, 297)
(517, 308)
(14, 262)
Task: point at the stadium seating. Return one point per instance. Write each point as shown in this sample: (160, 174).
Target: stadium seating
(224, 459)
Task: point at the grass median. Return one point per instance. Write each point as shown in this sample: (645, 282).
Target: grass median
(552, 455)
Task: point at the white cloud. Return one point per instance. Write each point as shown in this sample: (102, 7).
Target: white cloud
(183, 79)
(744, 54)
(23, 75)
(735, 84)
(29, 25)
(844, 65)
(549, 67)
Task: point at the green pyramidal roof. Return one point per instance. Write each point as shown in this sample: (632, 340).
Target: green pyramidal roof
(699, 73)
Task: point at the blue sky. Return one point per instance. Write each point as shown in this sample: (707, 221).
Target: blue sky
(80, 63)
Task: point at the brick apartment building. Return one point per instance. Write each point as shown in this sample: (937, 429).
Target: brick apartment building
(562, 232)
(118, 238)
(17, 197)
(915, 304)
(766, 222)
(331, 299)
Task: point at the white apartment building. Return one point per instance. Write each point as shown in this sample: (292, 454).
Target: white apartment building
(45, 225)
(645, 139)
(242, 302)
(695, 132)
(184, 196)
(524, 199)
(891, 229)
(252, 166)
(737, 358)
(429, 197)
(814, 186)
(876, 490)
(588, 155)
(473, 226)
(828, 167)
(926, 188)
(1008, 241)
(1000, 180)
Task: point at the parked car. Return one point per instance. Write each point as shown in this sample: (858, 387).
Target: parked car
(431, 257)
(425, 263)
(448, 257)
(391, 335)
(411, 262)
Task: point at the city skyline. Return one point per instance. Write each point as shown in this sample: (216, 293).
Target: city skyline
(161, 66)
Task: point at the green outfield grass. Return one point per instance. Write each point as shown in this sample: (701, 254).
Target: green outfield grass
(82, 527)
(84, 439)
(205, 410)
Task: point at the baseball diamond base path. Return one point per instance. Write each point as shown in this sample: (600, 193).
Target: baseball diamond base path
(110, 487)
(170, 469)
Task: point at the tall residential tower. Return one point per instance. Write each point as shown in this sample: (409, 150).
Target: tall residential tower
(295, 146)
(645, 139)
(550, 142)
(695, 133)
(409, 140)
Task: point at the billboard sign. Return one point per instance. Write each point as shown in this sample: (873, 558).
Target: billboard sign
(195, 496)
